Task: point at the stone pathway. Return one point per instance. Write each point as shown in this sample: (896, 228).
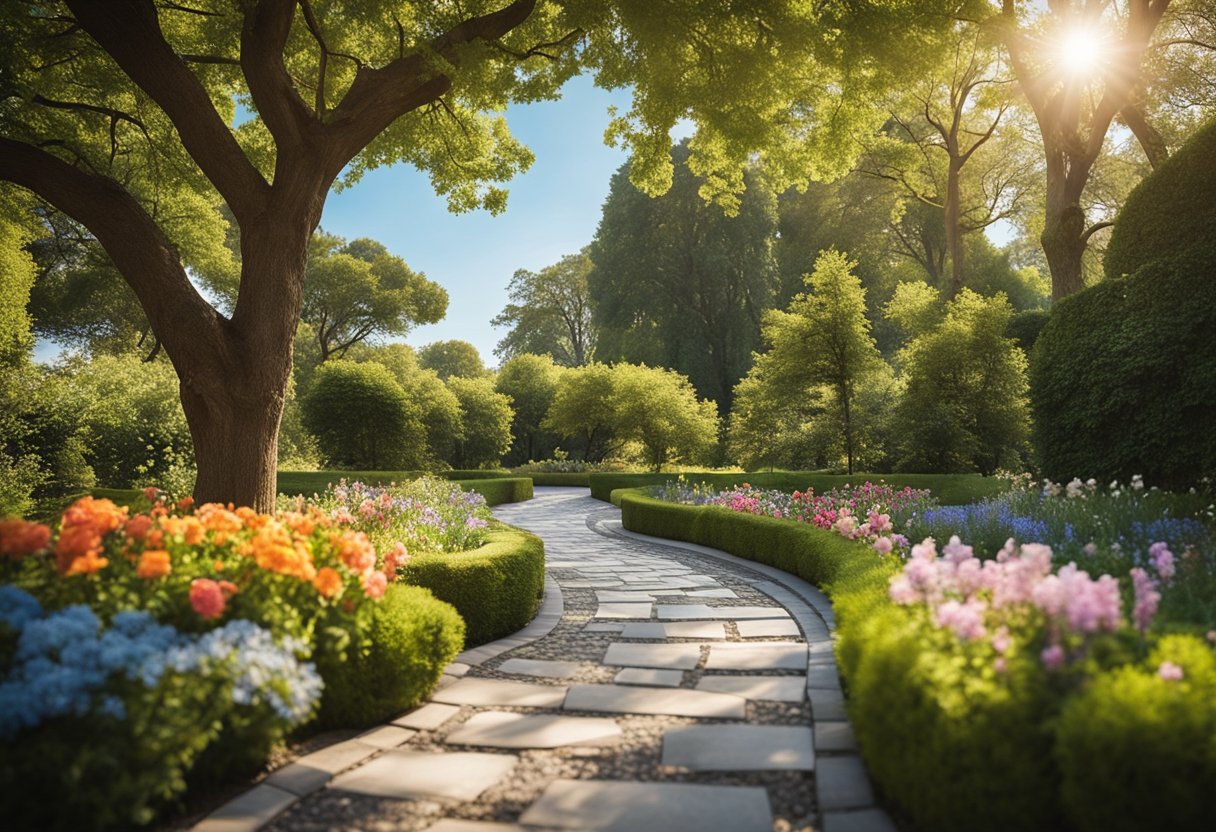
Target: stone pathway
(662, 687)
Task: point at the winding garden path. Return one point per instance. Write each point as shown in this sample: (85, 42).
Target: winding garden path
(663, 686)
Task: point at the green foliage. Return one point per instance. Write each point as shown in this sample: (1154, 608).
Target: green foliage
(399, 651)
(496, 486)
(550, 313)
(1025, 326)
(1171, 213)
(582, 408)
(964, 407)
(362, 418)
(496, 588)
(485, 423)
(1133, 746)
(676, 283)
(659, 409)
(356, 290)
(449, 359)
(1124, 376)
(531, 383)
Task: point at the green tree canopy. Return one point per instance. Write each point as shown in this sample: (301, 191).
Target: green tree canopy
(531, 383)
(659, 409)
(550, 313)
(485, 423)
(357, 290)
(452, 359)
(582, 410)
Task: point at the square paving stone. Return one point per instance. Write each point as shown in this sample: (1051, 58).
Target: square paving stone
(767, 688)
(386, 736)
(757, 656)
(767, 628)
(607, 806)
(540, 667)
(675, 629)
(739, 748)
(865, 820)
(250, 811)
(842, 783)
(427, 717)
(833, 735)
(827, 703)
(704, 611)
(603, 627)
(619, 595)
(823, 676)
(407, 774)
(649, 676)
(623, 610)
(499, 729)
(500, 692)
(680, 656)
(620, 699)
(713, 593)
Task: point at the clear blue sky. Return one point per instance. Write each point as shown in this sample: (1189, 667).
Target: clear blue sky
(553, 211)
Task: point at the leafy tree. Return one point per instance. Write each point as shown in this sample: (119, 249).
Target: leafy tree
(824, 339)
(550, 313)
(362, 418)
(485, 423)
(452, 359)
(582, 410)
(965, 403)
(119, 114)
(356, 290)
(680, 284)
(659, 409)
(530, 381)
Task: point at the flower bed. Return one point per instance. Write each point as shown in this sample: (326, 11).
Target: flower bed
(142, 648)
(1007, 693)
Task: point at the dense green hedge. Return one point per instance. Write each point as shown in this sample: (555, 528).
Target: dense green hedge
(1170, 212)
(407, 641)
(496, 486)
(575, 480)
(954, 747)
(950, 489)
(496, 588)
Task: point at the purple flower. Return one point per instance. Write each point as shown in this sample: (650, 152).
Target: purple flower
(1163, 560)
(1052, 657)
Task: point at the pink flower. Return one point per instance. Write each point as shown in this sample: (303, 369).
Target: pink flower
(1000, 665)
(883, 545)
(955, 551)
(207, 598)
(1052, 657)
(1170, 672)
(1163, 560)
(1147, 598)
(902, 591)
(374, 584)
(1001, 642)
(966, 619)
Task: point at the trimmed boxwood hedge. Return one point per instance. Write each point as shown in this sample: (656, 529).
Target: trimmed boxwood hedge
(954, 748)
(950, 489)
(403, 644)
(496, 588)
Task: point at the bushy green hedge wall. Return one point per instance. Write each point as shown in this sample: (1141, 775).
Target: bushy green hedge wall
(950, 489)
(496, 588)
(575, 480)
(406, 641)
(953, 747)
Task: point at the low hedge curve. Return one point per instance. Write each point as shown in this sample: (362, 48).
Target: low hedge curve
(496, 588)
(949, 746)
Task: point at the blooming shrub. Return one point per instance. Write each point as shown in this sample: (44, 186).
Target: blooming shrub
(861, 513)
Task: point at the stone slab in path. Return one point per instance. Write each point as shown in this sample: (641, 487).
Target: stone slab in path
(249, 811)
(409, 774)
(757, 656)
(539, 667)
(679, 656)
(768, 628)
(427, 717)
(489, 692)
(618, 699)
(832, 735)
(675, 629)
(704, 611)
(842, 783)
(739, 748)
(605, 806)
(766, 688)
(623, 610)
(499, 729)
(864, 820)
(650, 676)
(453, 825)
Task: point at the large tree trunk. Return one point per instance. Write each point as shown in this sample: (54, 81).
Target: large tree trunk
(1063, 238)
(954, 230)
(236, 441)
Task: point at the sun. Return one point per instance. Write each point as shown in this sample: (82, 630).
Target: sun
(1082, 50)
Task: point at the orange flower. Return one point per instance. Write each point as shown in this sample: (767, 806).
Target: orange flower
(273, 548)
(150, 493)
(155, 539)
(153, 563)
(228, 588)
(355, 550)
(137, 527)
(76, 543)
(102, 515)
(216, 518)
(185, 503)
(301, 524)
(19, 538)
(87, 564)
(327, 582)
(189, 529)
(251, 518)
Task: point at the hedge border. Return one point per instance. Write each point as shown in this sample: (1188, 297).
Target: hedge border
(497, 588)
(950, 489)
(497, 487)
(568, 479)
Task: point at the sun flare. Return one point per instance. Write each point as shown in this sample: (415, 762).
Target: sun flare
(1082, 50)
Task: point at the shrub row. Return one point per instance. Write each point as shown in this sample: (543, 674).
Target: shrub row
(496, 588)
(496, 486)
(955, 747)
(575, 480)
(950, 489)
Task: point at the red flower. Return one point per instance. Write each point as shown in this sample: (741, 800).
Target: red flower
(207, 598)
(19, 538)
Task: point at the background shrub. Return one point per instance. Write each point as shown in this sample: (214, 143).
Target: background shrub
(403, 644)
(362, 418)
(496, 588)
(485, 423)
